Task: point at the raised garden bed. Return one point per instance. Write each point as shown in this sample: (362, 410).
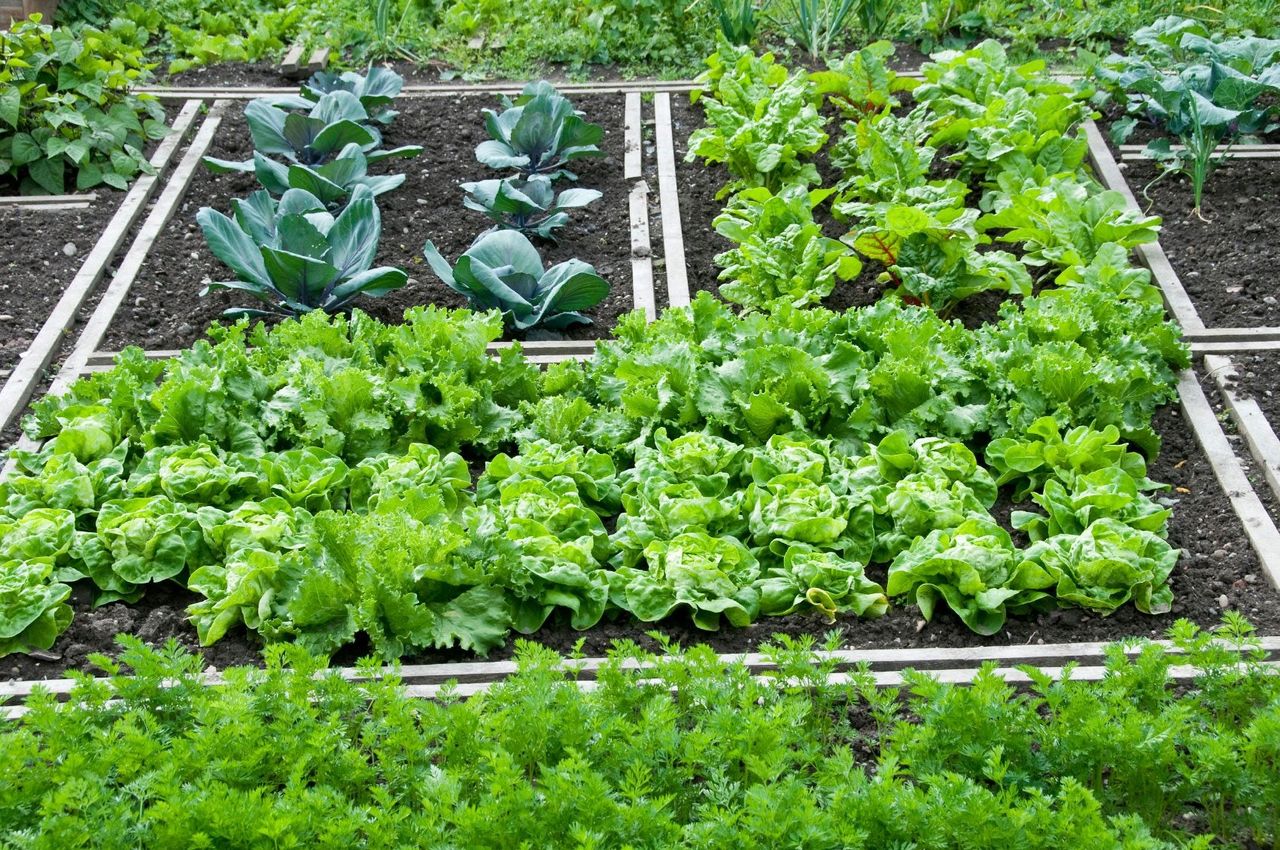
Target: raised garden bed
(1217, 571)
(40, 252)
(165, 311)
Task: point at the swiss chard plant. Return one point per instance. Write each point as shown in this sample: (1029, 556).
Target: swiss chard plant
(932, 257)
(761, 123)
(68, 118)
(530, 206)
(861, 83)
(295, 256)
(503, 271)
(540, 132)
(781, 252)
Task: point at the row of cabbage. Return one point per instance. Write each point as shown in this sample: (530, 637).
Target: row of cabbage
(309, 238)
(332, 477)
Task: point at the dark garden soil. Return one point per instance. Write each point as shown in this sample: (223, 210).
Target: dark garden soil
(165, 311)
(698, 184)
(1258, 377)
(40, 253)
(247, 74)
(1217, 571)
(1227, 262)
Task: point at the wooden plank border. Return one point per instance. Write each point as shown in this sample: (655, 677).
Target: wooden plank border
(669, 203)
(644, 296)
(442, 90)
(1258, 433)
(20, 384)
(1253, 514)
(1232, 347)
(1262, 334)
(887, 666)
(55, 202)
(1151, 255)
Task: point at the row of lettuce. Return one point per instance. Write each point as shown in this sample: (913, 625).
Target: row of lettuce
(336, 476)
(684, 750)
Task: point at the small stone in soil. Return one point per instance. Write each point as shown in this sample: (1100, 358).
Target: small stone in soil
(69, 249)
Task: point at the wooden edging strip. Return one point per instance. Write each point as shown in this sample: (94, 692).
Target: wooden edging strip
(1232, 347)
(1253, 514)
(17, 692)
(1236, 153)
(1251, 422)
(26, 374)
(56, 202)
(442, 90)
(669, 203)
(1264, 334)
(638, 203)
(1152, 255)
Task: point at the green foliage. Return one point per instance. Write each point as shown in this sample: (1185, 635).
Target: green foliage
(1203, 91)
(861, 83)
(376, 89)
(739, 20)
(815, 25)
(781, 252)
(530, 206)
(503, 271)
(326, 150)
(68, 120)
(974, 570)
(761, 123)
(295, 754)
(295, 256)
(538, 133)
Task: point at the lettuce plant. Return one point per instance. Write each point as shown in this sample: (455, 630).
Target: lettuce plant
(538, 133)
(821, 582)
(972, 569)
(1108, 564)
(530, 206)
(295, 256)
(710, 577)
(503, 271)
(33, 551)
(1045, 453)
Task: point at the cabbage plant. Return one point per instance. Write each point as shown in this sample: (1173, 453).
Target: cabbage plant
(538, 133)
(503, 271)
(295, 256)
(529, 206)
